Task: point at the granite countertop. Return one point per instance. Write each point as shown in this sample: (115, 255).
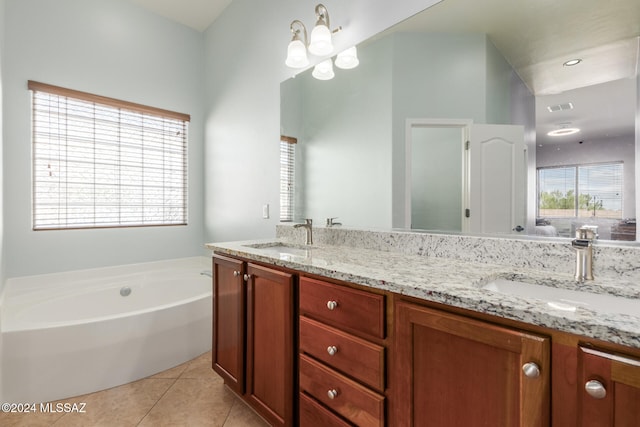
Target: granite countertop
(456, 283)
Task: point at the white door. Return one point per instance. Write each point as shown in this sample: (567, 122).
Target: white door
(497, 179)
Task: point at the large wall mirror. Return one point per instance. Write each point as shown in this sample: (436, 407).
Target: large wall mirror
(444, 125)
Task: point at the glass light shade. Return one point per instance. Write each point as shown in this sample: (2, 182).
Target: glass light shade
(348, 59)
(324, 70)
(320, 43)
(297, 55)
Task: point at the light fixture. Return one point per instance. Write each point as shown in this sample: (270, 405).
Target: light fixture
(572, 62)
(297, 50)
(347, 59)
(324, 70)
(320, 43)
(563, 132)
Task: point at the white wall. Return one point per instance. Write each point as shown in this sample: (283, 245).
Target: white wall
(244, 54)
(111, 48)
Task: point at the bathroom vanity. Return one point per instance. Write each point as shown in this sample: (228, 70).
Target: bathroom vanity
(352, 333)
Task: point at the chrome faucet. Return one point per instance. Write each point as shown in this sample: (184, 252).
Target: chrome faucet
(331, 223)
(308, 224)
(583, 244)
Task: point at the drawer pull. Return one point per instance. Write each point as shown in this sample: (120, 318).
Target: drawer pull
(332, 350)
(247, 277)
(331, 305)
(531, 370)
(236, 273)
(595, 389)
(332, 394)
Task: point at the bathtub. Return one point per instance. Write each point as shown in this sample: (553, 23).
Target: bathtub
(73, 333)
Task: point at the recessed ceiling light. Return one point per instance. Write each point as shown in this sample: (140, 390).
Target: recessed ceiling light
(563, 132)
(572, 62)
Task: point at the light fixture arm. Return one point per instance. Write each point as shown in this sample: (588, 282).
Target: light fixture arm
(323, 16)
(296, 31)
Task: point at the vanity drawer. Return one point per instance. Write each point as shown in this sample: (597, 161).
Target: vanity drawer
(353, 356)
(313, 414)
(353, 401)
(340, 306)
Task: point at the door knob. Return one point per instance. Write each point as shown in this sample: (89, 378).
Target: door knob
(595, 389)
(531, 370)
(236, 273)
(247, 277)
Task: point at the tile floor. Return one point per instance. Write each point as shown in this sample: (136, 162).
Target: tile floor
(190, 395)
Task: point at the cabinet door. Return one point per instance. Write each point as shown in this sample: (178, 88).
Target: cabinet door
(610, 390)
(270, 345)
(229, 321)
(452, 371)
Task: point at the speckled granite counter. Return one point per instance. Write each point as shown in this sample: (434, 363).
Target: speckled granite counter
(455, 282)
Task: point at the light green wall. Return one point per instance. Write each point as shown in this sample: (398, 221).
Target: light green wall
(344, 145)
(112, 48)
(352, 128)
(245, 50)
(448, 76)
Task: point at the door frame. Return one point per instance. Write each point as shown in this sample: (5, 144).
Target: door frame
(463, 125)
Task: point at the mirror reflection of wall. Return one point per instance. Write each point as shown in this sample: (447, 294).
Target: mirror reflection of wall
(455, 61)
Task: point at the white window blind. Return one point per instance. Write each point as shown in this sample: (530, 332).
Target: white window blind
(287, 174)
(581, 191)
(101, 162)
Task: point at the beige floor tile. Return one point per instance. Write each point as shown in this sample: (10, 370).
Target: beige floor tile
(121, 406)
(31, 419)
(192, 402)
(201, 368)
(243, 416)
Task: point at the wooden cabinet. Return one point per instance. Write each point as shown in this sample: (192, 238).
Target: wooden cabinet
(342, 359)
(253, 335)
(451, 371)
(447, 367)
(229, 293)
(609, 389)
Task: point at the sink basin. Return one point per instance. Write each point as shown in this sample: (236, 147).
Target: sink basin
(281, 250)
(565, 299)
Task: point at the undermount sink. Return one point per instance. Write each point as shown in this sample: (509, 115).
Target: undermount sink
(565, 299)
(281, 250)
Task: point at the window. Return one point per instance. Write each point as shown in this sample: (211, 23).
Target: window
(101, 162)
(287, 174)
(581, 191)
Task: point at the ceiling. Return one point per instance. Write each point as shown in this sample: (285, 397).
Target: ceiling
(197, 14)
(537, 37)
(535, 40)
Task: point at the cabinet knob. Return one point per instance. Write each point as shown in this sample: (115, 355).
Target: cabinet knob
(332, 394)
(331, 305)
(531, 370)
(247, 277)
(595, 389)
(332, 349)
(236, 273)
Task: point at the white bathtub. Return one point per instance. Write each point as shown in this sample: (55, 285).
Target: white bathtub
(72, 333)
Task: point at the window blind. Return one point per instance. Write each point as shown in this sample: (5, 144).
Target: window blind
(101, 162)
(580, 191)
(287, 174)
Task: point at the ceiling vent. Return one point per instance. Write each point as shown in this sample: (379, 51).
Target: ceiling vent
(560, 107)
